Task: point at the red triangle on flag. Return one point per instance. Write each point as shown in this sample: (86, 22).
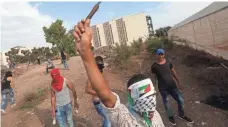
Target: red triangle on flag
(148, 89)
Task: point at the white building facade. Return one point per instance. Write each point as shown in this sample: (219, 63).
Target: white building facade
(123, 30)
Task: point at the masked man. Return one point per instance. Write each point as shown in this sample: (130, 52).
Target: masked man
(60, 99)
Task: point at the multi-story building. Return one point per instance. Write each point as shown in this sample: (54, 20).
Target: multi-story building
(123, 30)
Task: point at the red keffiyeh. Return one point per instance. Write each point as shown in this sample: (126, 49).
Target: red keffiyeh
(57, 82)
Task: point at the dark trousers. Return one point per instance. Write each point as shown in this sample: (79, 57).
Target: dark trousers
(49, 68)
(176, 94)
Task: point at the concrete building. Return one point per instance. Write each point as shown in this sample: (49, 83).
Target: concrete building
(20, 48)
(206, 30)
(123, 30)
(3, 58)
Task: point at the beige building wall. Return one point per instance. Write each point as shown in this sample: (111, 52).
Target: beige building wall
(208, 33)
(102, 35)
(114, 31)
(136, 27)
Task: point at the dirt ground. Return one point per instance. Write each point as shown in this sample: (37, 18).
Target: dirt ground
(40, 116)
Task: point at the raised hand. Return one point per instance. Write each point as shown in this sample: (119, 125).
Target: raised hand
(83, 36)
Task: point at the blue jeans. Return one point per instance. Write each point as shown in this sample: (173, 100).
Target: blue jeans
(65, 64)
(4, 93)
(63, 115)
(176, 94)
(101, 111)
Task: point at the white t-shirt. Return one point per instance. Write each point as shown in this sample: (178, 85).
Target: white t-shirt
(120, 116)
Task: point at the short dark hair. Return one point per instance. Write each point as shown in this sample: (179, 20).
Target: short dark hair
(100, 63)
(8, 74)
(135, 78)
(99, 59)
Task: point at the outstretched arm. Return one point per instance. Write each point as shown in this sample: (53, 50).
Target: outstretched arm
(71, 87)
(83, 36)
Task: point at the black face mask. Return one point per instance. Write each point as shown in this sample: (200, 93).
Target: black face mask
(100, 66)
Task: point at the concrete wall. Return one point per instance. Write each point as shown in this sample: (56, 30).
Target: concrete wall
(102, 35)
(208, 33)
(114, 31)
(136, 27)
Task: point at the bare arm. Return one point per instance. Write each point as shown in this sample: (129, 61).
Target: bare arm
(174, 73)
(98, 82)
(71, 87)
(11, 82)
(89, 89)
(83, 36)
(53, 101)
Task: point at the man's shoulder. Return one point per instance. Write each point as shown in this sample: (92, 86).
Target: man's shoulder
(154, 65)
(168, 61)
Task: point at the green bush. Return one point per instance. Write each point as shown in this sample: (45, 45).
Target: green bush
(135, 46)
(153, 44)
(31, 100)
(122, 52)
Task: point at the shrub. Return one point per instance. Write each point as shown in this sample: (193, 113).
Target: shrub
(34, 98)
(135, 46)
(122, 52)
(153, 44)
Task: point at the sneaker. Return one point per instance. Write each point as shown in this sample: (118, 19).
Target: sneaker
(3, 111)
(186, 119)
(13, 105)
(172, 120)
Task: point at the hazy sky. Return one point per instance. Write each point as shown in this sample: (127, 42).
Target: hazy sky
(22, 22)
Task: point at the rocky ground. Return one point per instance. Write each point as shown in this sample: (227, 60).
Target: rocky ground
(194, 90)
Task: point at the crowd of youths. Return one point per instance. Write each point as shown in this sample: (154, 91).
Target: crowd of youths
(141, 108)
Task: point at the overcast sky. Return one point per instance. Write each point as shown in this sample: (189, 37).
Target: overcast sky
(22, 22)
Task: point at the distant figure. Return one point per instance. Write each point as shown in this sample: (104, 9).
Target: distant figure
(95, 99)
(60, 99)
(168, 84)
(13, 65)
(7, 89)
(38, 60)
(64, 59)
(50, 65)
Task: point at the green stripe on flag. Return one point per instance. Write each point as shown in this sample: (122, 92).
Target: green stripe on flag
(143, 87)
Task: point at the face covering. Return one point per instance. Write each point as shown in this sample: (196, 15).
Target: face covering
(142, 98)
(57, 80)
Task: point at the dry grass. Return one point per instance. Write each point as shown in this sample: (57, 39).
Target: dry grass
(31, 100)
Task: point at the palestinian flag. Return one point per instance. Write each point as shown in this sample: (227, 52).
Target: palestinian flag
(144, 89)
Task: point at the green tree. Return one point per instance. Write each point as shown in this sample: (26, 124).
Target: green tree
(69, 44)
(55, 34)
(13, 54)
(60, 39)
(162, 32)
(26, 56)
